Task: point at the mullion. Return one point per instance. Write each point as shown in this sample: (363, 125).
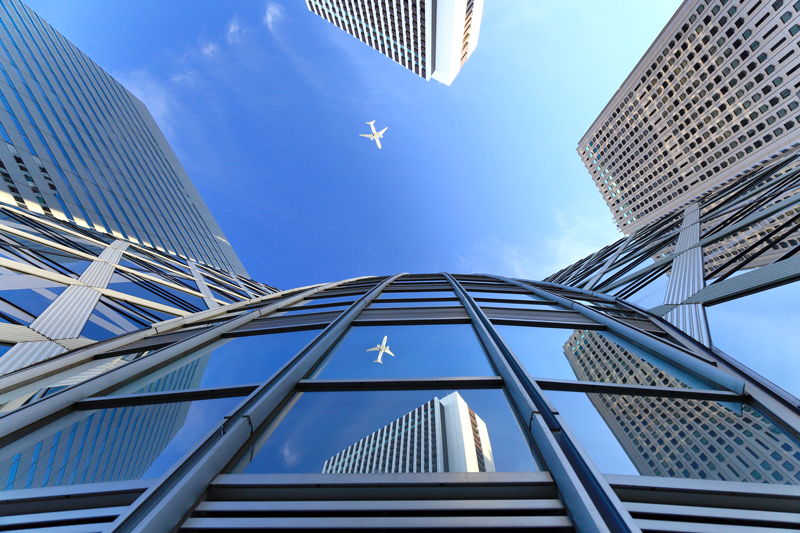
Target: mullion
(190, 395)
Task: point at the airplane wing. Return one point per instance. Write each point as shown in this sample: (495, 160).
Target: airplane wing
(377, 141)
(389, 352)
(365, 135)
(375, 349)
(372, 125)
(383, 130)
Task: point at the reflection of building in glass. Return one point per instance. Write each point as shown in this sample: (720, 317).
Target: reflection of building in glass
(114, 444)
(439, 436)
(672, 437)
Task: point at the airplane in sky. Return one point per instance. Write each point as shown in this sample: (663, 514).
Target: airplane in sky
(376, 135)
(381, 349)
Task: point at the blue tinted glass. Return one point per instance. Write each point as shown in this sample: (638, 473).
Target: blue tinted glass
(317, 426)
(126, 286)
(378, 304)
(442, 350)
(505, 296)
(115, 444)
(27, 304)
(238, 361)
(542, 306)
(540, 350)
(681, 438)
(387, 295)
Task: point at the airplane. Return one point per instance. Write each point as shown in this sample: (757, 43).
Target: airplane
(381, 349)
(376, 135)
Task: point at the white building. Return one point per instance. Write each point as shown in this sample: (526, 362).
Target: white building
(713, 97)
(439, 436)
(429, 37)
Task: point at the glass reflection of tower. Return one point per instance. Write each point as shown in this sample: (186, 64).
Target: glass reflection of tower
(113, 444)
(672, 437)
(439, 436)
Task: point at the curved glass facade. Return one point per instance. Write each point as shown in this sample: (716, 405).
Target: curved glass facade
(456, 393)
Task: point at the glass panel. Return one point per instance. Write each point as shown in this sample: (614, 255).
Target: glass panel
(415, 303)
(429, 351)
(334, 299)
(696, 439)
(388, 295)
(238, 361)
(393, 431)
(505, 296)
(601, 356)
(105, 323)
(543, 306)
(540, 350)
(307, 307)
(114, 444)
(179, 300)
(24, 305)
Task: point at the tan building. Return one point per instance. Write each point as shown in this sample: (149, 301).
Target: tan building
(713, 97)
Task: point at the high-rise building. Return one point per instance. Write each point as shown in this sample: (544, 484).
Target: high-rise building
(745, 444)
(101, 231)
(712, 98)
(440, 436)
(288, 384)
(81, 148)
(431, 38)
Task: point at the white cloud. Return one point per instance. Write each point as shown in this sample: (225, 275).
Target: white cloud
(290, 456)
(273, 14)
(234, 31)
(208, 49)
(153, 93)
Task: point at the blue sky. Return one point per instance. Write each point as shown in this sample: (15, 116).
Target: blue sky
(263, 103)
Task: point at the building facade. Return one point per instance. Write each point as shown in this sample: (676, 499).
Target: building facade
(80, 148)
(440, 436)
(243, 405)
(431, 38)
(713, 97)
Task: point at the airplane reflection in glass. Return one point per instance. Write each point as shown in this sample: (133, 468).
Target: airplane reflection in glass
(375, 135)
(381, 349)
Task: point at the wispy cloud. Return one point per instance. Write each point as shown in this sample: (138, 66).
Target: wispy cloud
(234, 31)
(208, 49)
(273, 15)
(154, 94)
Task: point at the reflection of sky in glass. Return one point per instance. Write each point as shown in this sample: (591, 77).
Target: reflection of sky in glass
(535, 306)
(389, 305)
(419, 352)
(202, 416)
(387, 295)
(540, 350)
(505, 295)
(321, 424)
(592, 432)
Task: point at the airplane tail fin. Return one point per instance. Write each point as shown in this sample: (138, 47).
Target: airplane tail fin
(378, 361)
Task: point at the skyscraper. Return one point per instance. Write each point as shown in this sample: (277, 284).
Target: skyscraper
(102, 231)
(711, 99)
(81, 148)
(432, 38)
(440, 436)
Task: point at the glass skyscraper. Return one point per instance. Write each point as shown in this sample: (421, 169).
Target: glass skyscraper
(148, 385)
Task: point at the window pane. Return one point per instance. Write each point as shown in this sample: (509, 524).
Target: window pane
(388, 295)
(380, 304)
(540, 350)
(429, 351)
(668, 437)
(506, 295)
(536, 306)
(114, 444)
(238, 361)
(394, 431)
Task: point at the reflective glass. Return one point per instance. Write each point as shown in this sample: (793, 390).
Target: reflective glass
(105, 323)
(668, 437)
(415, 303)
(388, 295)
(114, 444)
(541, 306)
(27, 304)
(393, 431)
(601, 356)
(334, 299)
(238, 361)
(307, 307)
(506, 296)
(185, 301)
(429, 351)
(540, 350)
